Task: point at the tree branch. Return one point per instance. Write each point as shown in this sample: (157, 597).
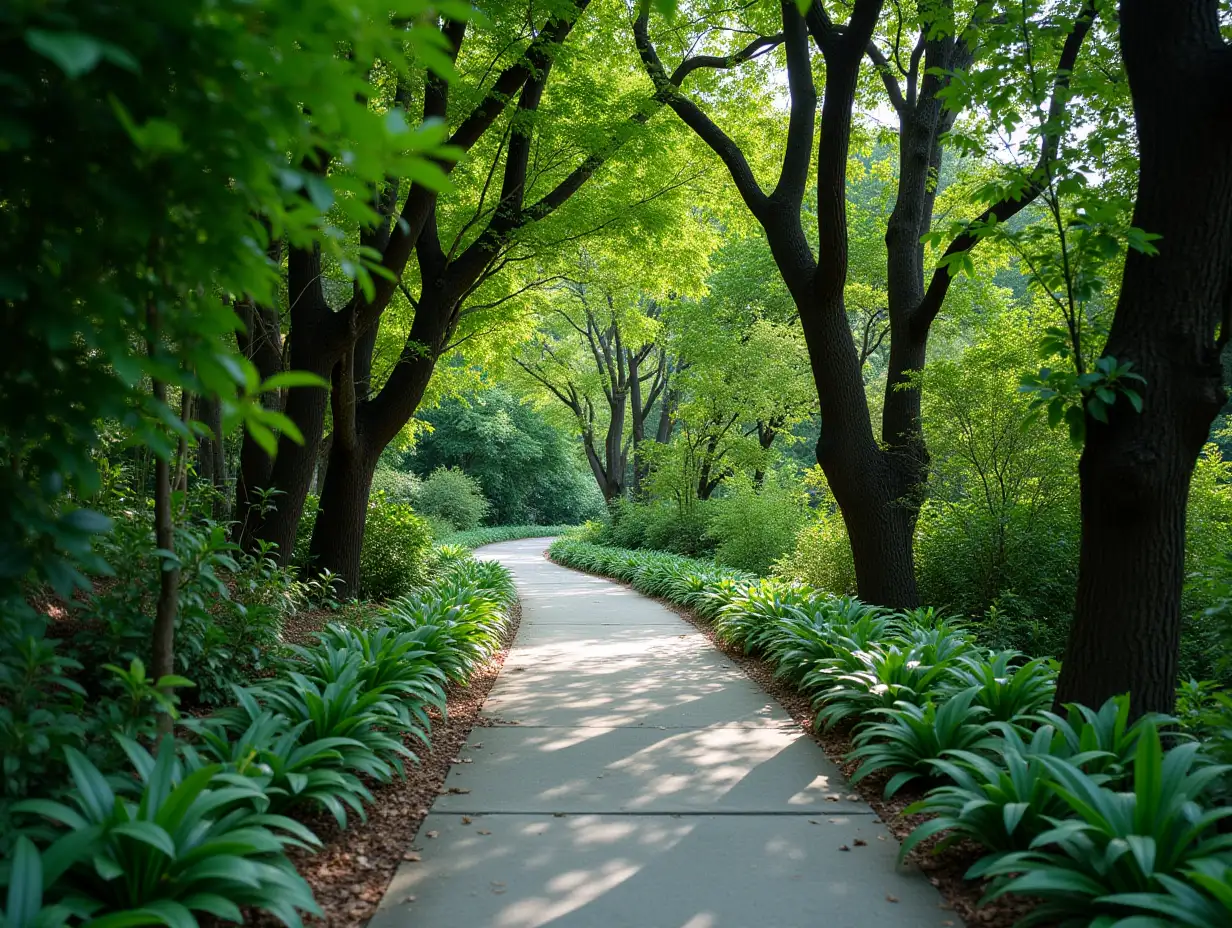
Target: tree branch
(939, 285)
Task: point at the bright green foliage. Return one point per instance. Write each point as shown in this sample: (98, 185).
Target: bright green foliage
(1002, 802)
(183, 145)
(748, 618)
(526, 466)
(187, 843)
(395, 555)
(460, 620)
(477, 538)
(453, 497)
(823, 630)
(1006, 691)
(1107, 729)
(289, 769)
(1117, 845)
(907, 738)
(753, 526)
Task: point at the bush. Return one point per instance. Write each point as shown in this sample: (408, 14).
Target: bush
(1115, 850)
(752, 527)
(821, 556)
(398, 486)
(452, 496)
(907, 738)
(187, 845)
(395, 555)
(477, 538)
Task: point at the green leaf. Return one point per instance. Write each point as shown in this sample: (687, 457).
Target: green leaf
(74, 52)
(285, 379)
(25, 896)
(147, 833)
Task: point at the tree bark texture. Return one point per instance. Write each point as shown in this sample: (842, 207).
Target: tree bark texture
(1172, 319)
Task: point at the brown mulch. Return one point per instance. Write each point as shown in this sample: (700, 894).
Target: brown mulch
(351, 871)
(945, 870)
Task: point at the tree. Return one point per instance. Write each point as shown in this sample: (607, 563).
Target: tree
(878, 485)
(529, 469)
(592, 358)
(1172, 322)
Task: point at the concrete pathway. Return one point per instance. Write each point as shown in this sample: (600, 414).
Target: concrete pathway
(636, 777)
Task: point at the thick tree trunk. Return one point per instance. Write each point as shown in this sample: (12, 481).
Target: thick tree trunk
(261, 342)
(338, 535)
(316, 345)
(1135, 471)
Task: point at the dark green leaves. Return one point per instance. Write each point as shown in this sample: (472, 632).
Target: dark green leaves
(77, 53)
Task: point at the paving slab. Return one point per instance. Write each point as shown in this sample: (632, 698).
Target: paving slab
(631, 776)
(702, 871)
(674, 690)
(566, 769)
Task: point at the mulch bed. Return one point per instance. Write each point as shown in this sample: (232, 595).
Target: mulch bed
(352, 870)
(945, 870)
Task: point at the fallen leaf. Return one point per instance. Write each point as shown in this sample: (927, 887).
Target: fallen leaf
(813, 821)
(432, 834)
(843, 847)
(484, 831)
(860, 842)
(413, 858)
(407, 899)
(891, 898)
(832, 797)
(853, 797)
(458, 790)
(466, 820)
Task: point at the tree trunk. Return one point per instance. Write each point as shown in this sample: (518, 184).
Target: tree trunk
(1135, 471)
(162, 644)
(316, 345)
(211, 454)
(338, 535)
(260, 341)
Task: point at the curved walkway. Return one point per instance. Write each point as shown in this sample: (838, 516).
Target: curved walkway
(633, 776)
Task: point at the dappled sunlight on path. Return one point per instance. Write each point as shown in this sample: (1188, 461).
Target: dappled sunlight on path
(633, 776)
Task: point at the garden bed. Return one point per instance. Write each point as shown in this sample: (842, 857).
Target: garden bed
(351, 871)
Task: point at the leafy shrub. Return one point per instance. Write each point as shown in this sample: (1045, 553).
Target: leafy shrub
(660, 526)
(1115, 846)
(477, 538)
(753, 527)
(1002, 804)
(821, 556)
(338, 705)
(41, 709)
(822, 630)
(908, 738)
(255, 744)
(397, 544)
(452, 496)
(750, 617)
(1006, 691)
(855, 683)
(187, 844)
(398, 486)
(1107, 730)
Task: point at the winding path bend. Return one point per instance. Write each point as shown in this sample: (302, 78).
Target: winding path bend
(634, 776)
